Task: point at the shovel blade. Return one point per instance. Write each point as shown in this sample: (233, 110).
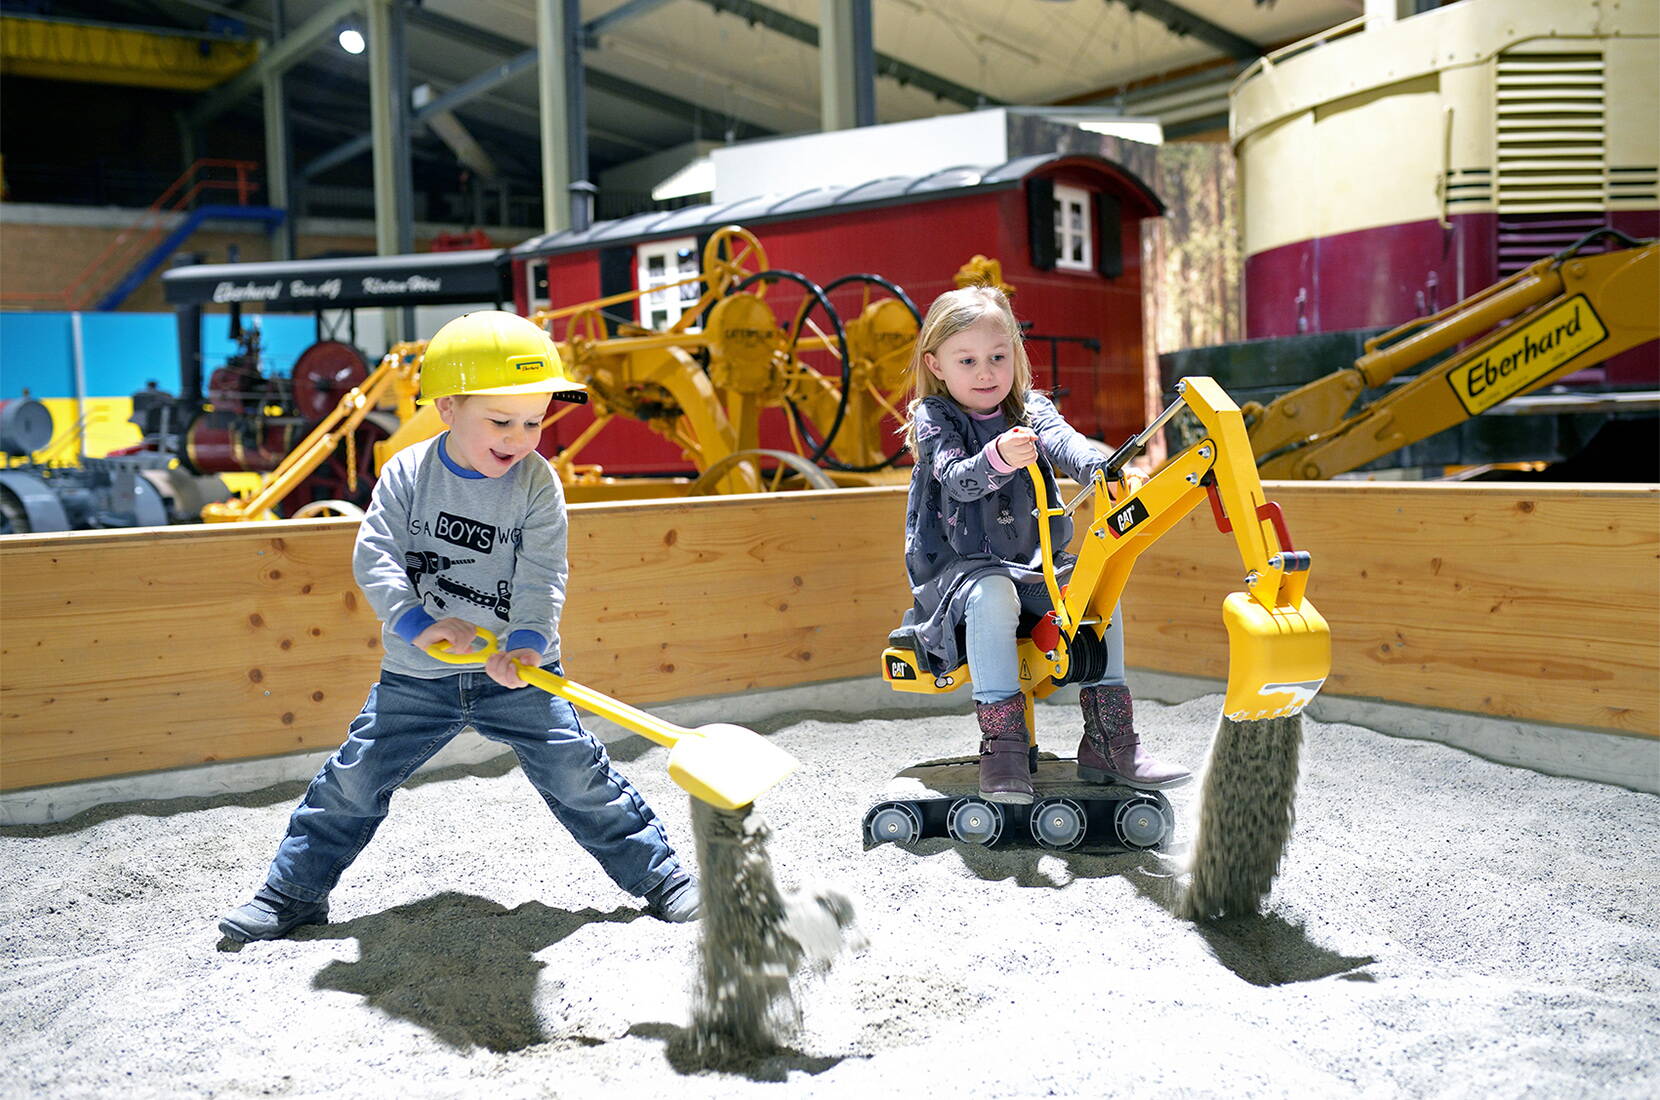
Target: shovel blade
(1277, 657)
(728, 766)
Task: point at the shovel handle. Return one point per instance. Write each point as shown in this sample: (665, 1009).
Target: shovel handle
(648, 726)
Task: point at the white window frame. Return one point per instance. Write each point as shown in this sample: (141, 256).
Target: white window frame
(1074, 243)
(535, 270)
(658, 309)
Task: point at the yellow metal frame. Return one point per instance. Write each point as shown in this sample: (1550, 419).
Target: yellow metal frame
(719, 407)
(1279, 645)
(394, 381)
(1565, 313)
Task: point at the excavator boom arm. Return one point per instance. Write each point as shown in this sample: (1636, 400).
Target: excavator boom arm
(1571, 312)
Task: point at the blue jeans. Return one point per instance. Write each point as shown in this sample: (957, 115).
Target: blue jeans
(993, 619)
(407, 719)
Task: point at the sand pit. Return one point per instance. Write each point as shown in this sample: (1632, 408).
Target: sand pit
(1442, 926)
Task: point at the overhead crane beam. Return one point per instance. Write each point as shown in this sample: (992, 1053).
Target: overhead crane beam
(282, 55)
(886, 65)
(1183, 22)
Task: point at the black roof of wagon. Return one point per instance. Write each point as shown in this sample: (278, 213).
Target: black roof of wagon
(838, 198)
(423, 278)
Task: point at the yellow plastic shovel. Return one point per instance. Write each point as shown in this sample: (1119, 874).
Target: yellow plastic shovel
(724, 765)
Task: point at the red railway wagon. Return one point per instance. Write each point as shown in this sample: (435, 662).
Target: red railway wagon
(1065, 228)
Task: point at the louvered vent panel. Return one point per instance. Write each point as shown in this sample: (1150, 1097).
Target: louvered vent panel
(1550, 174)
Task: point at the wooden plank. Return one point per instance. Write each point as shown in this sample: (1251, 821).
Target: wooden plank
(140, 650)
(137, 651)
(735, 594)
(1536, 603)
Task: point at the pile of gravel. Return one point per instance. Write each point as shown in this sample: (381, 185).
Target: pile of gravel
(1440, 925)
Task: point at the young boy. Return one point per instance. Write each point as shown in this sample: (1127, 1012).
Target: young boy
(473, 524)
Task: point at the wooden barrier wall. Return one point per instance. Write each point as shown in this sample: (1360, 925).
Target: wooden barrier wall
(136, 651)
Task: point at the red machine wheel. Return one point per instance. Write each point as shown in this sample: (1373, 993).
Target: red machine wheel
(323, 374)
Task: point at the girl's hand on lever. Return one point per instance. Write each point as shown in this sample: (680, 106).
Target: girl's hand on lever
(1018, 446)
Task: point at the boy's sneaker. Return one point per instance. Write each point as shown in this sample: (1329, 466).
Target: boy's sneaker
(272, 915)
(675, 899)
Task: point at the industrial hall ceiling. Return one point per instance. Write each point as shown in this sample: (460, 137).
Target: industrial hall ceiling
(665, 74)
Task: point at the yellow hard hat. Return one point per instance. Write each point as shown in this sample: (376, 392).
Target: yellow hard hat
(492, 351)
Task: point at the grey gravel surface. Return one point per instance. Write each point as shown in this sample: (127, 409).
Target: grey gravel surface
(1442, 926)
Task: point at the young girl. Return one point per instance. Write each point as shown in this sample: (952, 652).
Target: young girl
(971, 539)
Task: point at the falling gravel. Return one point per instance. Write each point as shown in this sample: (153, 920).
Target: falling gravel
(1246, 811)
(1440, 925)
(755, 942)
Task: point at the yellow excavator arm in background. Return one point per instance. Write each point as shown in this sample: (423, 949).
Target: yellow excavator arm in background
(1565, 313)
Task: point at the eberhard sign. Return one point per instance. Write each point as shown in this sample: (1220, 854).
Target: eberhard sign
(1528, 354)
(285, 291)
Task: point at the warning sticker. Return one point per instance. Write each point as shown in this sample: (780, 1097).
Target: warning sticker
(1528, 354)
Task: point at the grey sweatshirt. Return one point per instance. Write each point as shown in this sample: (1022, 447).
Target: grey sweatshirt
(443, 542)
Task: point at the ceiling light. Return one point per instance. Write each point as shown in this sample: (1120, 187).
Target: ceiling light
(351, 39)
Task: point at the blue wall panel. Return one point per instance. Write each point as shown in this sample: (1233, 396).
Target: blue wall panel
(123, 351)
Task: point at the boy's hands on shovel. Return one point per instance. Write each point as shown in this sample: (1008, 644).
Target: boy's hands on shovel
(501, 670)
(458, 635)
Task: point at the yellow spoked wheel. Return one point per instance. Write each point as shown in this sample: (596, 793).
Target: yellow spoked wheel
(731, 255)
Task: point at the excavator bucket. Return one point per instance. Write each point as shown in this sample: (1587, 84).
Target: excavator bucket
(1277, 657)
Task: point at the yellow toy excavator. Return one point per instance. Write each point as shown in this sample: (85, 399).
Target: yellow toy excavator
(1559, 315)
(1279, 646)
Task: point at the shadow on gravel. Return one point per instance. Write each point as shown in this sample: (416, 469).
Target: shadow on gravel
(1269, 950)
(773, 1067)
(460, 966)
(1265, 950)
(1021, 864)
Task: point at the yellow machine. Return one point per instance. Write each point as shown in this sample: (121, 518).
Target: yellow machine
(1279, 646)
(1559, 315)
(703, 389)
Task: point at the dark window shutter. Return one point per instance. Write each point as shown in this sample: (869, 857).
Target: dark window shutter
(1109, 236)
(1040, 222)
(702, 243)
(616, 276)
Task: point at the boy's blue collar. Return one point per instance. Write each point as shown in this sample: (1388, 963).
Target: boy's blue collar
(444, 457)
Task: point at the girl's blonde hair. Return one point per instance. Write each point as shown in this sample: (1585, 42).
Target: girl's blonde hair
(951, 313)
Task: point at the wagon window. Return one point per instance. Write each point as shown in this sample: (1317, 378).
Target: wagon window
(1074, 236)
(537, 292)
(660, 263)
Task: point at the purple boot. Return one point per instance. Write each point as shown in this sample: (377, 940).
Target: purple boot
(1004, 775)
(1111, 750)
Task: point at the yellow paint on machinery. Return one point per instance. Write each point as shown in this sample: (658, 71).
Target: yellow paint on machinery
(1279, 645)
(1556, 316)
(726, 766)
(104, 54)
(95, 427)
(659, 378)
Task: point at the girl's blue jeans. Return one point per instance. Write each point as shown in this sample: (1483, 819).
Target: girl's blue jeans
(407, 719)
(993, 618)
